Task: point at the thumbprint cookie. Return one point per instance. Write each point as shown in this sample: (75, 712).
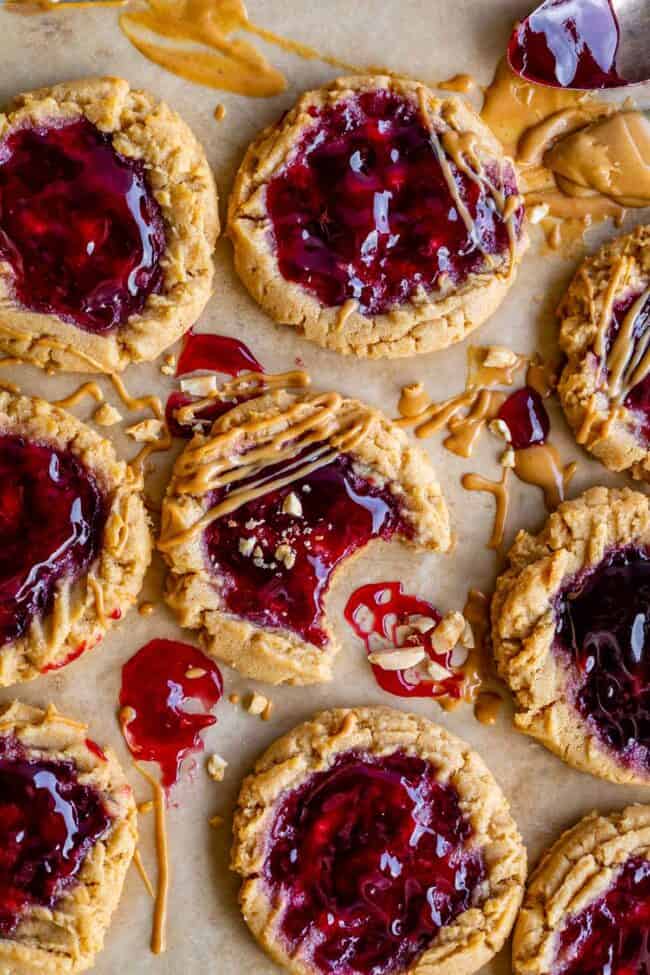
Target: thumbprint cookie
(74, 538)
(373, 842)
(587, 907)
(68, 831)
(605, 335)
(377, 219)
(570, 622)
(262, 510)
(108, 219)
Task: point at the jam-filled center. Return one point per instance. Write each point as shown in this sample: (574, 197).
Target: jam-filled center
(363, 210)
(604, 627)
(612, 935)
(637, 400)
(275, 555)
(52, 517)
(79, 225)
(369, 859)
(48, 824)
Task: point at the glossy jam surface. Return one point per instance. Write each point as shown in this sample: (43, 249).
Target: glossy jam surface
(525, 416)
(217, 353)
(370, 860)
(603, 625)
(379, 613)
(340, 511)
(48, 824)
(638, 399)
(79, 225)
(362, 211)
(568, 44)
(163, 683)
(52, 517)
(612, 935)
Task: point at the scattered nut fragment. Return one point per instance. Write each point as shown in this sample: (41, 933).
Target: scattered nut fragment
(217, 767)
(146, 431)
(257, 703)
(216, 821)
(499, 357)
(194, 672)
(422, 623)
(537, 213)
(467, 637)
(500, 429)
(448, 632)
(398, 658)
(106, 415)
(234, 698)
(508, 457)
(292, 505)
(199, 385)
(169, 365)
(285, 554)
(438, 672)
(246, 546)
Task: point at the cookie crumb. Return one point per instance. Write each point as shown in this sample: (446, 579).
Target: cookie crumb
(285, 554)
(508, 457)
(448, 632)
(292, 505)
(106, 415)
(499, 357)
(246, 546)
(257, 703)
(168, 367)
(216, 767)
(146, 431)
(398, 658)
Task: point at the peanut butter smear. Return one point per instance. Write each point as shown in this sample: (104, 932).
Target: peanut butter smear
(581, 160)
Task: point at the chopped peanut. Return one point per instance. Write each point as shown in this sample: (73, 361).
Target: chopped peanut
(398, 658)
(292, 505)
(199, 385)
(146, 431)
(448, 632)
(499, 357)
(106, 415)
(217, 767)
(257, 703)
(500, 429)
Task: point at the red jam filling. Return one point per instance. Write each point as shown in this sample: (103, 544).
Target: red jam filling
(526, 418)
(603, 625)
(568, 44)
(274, 567)
(376, 613)
(638, 399)
(369, 859)
(362, 210)
(612, 935)
(217, 353)
(160, 682)
(48, 824)
(79, 225)
(52, 517)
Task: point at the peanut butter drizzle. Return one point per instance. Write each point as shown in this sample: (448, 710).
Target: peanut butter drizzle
(347, 308)
(487, 707)
(541, 466)
(499, 491)
(158, 934)
(465, 430)
(140, 867)
(478, 668)
(462, 83)
(581, 157)
(226, 62)
(90, 389)
(316, 427)
(478, 374)
(541, 377)
(248, 384)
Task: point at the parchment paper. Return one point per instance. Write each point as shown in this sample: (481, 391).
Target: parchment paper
(429, 39)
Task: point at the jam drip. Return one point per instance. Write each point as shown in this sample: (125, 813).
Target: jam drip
(378, 613)
(362, 211)
(612, 935)
(159, 683)
(217, 353)
(79, 225)
(568, 44)
(603, 625)
(274, 566)
(638, 399)
(370, 859)
(48, 824)
(525, 416)
(52, 518)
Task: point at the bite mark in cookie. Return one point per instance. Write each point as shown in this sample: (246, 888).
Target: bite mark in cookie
(263, 509)
(379, 220)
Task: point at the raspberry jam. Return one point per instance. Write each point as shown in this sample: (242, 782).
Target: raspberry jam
(612, 935)
(217, 353)
(568, 44)
(638, 399)
(48, 824)
(52, 517)
(378, 613)
(362, 210)
(275, 567)
(159, 683)
(603, 626)
(526, 418)
(79, 225)
(369, 860)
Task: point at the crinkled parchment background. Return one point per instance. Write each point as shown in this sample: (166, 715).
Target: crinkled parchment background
(429, 39)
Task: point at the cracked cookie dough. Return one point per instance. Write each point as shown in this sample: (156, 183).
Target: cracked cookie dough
(109, 220)
(377, 219)
(376, 800)
(570, 623)
(587, 905)
(68, 830)
(605, 335)
(74, 535)
(263, 510)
